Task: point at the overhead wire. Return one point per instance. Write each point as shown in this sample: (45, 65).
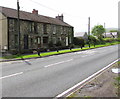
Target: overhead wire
(67, 14)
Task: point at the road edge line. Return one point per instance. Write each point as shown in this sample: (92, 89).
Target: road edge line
(93, 75)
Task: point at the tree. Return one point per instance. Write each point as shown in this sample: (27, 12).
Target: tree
(98, 31)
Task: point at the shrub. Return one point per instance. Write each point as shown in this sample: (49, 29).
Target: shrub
(79, 41)
(58, 44)
(82, 42)
(50, 44)
(110, 40)
(13, 51)
(92, 40)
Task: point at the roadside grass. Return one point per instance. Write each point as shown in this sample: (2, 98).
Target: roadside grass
(59, 52)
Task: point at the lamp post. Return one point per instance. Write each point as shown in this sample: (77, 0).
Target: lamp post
(18, 25)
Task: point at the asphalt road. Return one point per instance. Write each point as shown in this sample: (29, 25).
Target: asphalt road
(50, 76)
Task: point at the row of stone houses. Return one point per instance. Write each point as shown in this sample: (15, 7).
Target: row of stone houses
(35, 30)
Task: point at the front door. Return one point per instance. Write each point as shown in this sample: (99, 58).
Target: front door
(25, 41)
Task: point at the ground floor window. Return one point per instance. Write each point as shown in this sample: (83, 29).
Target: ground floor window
(45, 40)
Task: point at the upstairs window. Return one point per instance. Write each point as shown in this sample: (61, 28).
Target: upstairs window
(12, 25)
(45, 28)
(54, 29)
(35, 28)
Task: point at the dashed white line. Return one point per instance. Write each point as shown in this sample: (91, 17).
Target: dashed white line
(44, 66)
(58, 63)
(11, 75)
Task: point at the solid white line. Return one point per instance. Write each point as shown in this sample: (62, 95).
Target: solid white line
(58, 63)
(75, 86)
(11, 75)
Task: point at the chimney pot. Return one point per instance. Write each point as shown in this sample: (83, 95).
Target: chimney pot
(60, 17)
(35, 11)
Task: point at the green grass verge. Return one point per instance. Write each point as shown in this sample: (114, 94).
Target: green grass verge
(55, 52)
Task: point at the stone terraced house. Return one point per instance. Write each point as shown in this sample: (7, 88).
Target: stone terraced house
(35, 30)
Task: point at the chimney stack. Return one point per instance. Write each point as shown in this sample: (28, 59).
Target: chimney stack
(35, 11)
(60, 17)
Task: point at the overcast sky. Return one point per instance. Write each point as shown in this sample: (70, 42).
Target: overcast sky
(76, 12)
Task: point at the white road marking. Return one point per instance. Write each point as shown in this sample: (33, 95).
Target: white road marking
(58, 63)
(86, 52)
(11, 75)
(44, 66)
(90, 77)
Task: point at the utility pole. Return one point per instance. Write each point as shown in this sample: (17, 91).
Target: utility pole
(89, 31)
(105, 30)
(88, 25)
(18, 26)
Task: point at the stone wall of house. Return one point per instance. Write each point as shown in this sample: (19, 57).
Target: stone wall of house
(34, 35)
(3, 33)
(13, 36)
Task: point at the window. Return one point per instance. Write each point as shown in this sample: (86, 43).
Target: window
(54, 40)
(66, 41)
(32, 27)
(61, 30)
(54, 29)
(45, 28)
(38, 40)
(35, 28)
(64, 30)
(11, 25)
(31, 41)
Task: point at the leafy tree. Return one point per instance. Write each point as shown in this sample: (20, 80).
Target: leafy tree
(98, 31)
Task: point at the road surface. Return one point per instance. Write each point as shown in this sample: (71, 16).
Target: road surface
(50, 76)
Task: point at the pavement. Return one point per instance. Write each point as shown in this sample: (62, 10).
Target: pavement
(50, 76)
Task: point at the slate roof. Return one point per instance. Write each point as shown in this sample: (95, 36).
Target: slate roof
(12, 13)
